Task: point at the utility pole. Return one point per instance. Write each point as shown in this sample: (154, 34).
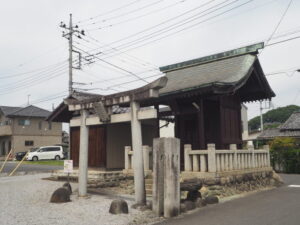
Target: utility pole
(70, 56)
(70, 31)
(261, 116)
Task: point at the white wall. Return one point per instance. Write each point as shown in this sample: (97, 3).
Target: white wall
(119, 136)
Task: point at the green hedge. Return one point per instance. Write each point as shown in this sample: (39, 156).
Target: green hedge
(286, 153)
(288, 159)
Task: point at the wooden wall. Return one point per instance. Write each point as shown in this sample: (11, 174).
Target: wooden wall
(97, 146)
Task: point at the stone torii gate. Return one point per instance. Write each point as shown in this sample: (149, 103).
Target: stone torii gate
(103, 108)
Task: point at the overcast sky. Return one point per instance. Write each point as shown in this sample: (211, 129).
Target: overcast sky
(139, 36)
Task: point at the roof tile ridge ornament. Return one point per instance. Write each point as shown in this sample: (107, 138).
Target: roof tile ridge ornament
(214, 57)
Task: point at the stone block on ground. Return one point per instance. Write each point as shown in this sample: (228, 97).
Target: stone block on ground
(191, 185)
(182, 208)
(200, 203)
(118, 206)
(189, 205)
(60, 195)
(68, 187)
(211, 200)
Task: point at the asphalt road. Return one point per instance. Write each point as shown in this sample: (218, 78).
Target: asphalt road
(280, 206)
(9, 166)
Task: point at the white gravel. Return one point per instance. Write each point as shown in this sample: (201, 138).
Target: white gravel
(24, 200)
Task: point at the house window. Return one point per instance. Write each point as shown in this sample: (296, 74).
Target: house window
(23, 122)
(40, 125)
(28, 143)
(50, 125)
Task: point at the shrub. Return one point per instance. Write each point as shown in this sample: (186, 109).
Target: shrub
(285, 152)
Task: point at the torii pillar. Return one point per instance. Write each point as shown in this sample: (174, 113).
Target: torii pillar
(138, 161)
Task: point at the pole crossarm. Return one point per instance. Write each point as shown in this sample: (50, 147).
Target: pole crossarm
(143, 93)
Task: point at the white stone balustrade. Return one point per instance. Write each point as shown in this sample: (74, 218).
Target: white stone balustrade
(147, 155)
(212, 160)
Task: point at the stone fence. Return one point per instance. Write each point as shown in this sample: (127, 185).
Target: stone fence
(210, 160)
(147, 155)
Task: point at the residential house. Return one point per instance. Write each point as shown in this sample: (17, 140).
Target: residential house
(202, 96)
(23, 128)
(290, 128)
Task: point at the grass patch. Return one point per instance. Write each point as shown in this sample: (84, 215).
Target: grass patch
(46, 162)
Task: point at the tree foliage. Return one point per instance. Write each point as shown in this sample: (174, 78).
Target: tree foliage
(285, 154)
(279, 115)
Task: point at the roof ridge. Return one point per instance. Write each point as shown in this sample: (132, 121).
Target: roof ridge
(214, 57)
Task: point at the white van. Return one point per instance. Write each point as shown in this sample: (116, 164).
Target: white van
(46, 152)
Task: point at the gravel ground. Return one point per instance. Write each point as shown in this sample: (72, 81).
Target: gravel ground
(25, 201)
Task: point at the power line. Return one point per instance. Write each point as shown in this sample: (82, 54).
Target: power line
(278, 42)
(181, 23)
(29, 83)
(127, 13)
(178, 31)
(110, 11)
(140, 16)
(34, 76)
(279, 22)
(43, 69)
(118, 67)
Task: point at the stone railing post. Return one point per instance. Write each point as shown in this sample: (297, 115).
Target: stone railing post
(127, 158)
(235, 161)
(146, 155)
(267, 148)
(187, 158)
(251, 149)
(211, 158)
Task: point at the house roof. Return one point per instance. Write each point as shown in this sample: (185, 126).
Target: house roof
(28, 111)
(292, 123)
(276, 132)
(290, 128)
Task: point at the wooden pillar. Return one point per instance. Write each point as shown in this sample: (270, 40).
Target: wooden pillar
(138, 162)
(83, 155)
(201, 125)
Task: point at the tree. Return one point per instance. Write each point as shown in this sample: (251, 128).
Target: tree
(279, 115)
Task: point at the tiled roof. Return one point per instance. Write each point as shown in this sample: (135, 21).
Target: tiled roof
(276, 132)
(30, 111)
(7, 110)
(292, 123)
(221, 72)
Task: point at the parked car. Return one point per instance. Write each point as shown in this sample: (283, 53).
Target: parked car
(20, 155)
(46, 152)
